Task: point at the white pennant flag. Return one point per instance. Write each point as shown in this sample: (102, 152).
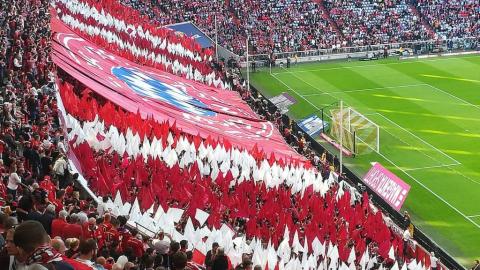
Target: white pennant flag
(391, 253)
(351, 257)
(201, 216)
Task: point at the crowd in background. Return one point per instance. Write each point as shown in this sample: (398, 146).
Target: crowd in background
(376, 22)
(452, 19)
(282, 26)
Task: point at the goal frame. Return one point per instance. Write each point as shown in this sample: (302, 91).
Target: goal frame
(347, 113)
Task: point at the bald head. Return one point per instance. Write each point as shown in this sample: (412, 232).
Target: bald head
(58, 245)
(92, 221)
(101, 260)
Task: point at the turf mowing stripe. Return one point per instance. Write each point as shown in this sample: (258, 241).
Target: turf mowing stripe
(366, 89)
(405, 172)
(330, 94)
(414, 148)
(372, 65)
(404, 129)
(449, 78)
(455, 97)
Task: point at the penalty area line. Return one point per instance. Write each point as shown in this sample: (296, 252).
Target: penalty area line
(432, 167)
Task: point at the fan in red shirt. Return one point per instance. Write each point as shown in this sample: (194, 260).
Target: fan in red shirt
(58, 200)
(90, 230)
(73, 229)
(106, 225)
(111, 235)
(134, 243)
(59, 224)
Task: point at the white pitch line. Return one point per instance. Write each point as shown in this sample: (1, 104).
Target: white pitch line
(315, 106)
(431, 191)
(421, 152)
(474, 216)
(372, 65)
(448, 165)
(391, 162)
(453, 96)
(330, 94)
(366, 89)
(313, 86)
(427, 143)
(432, 167)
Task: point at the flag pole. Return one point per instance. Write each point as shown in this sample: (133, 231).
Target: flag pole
(341, 137)
(248, 69)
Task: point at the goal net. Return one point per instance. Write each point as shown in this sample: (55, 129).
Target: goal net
(360, 134)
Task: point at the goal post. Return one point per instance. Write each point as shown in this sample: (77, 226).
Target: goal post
(360, 134)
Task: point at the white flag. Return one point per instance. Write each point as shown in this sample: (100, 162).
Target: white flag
(201, 216)
(391, 253)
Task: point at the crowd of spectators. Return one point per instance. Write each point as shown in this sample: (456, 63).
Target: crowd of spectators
(283, 26)
(376, 22)
(452, 19)
(272, 26)
(45, 222)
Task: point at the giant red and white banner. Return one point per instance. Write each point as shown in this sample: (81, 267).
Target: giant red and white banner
(195, 107)
(387, 185)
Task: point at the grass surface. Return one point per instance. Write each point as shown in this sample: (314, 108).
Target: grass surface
(429, 117)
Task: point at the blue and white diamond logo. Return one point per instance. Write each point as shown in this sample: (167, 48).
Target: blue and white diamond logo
(147, 86)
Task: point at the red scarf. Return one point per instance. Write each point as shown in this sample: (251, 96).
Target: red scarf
(44, 254)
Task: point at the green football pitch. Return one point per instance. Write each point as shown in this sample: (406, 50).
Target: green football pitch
(429, 117)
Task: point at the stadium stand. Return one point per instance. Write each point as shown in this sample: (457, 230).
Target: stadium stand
(272, 25)
(452, 19)
(366, 22)
(309, 25)
(50, 222)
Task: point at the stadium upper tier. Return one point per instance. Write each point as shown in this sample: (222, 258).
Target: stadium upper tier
(298, 25)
